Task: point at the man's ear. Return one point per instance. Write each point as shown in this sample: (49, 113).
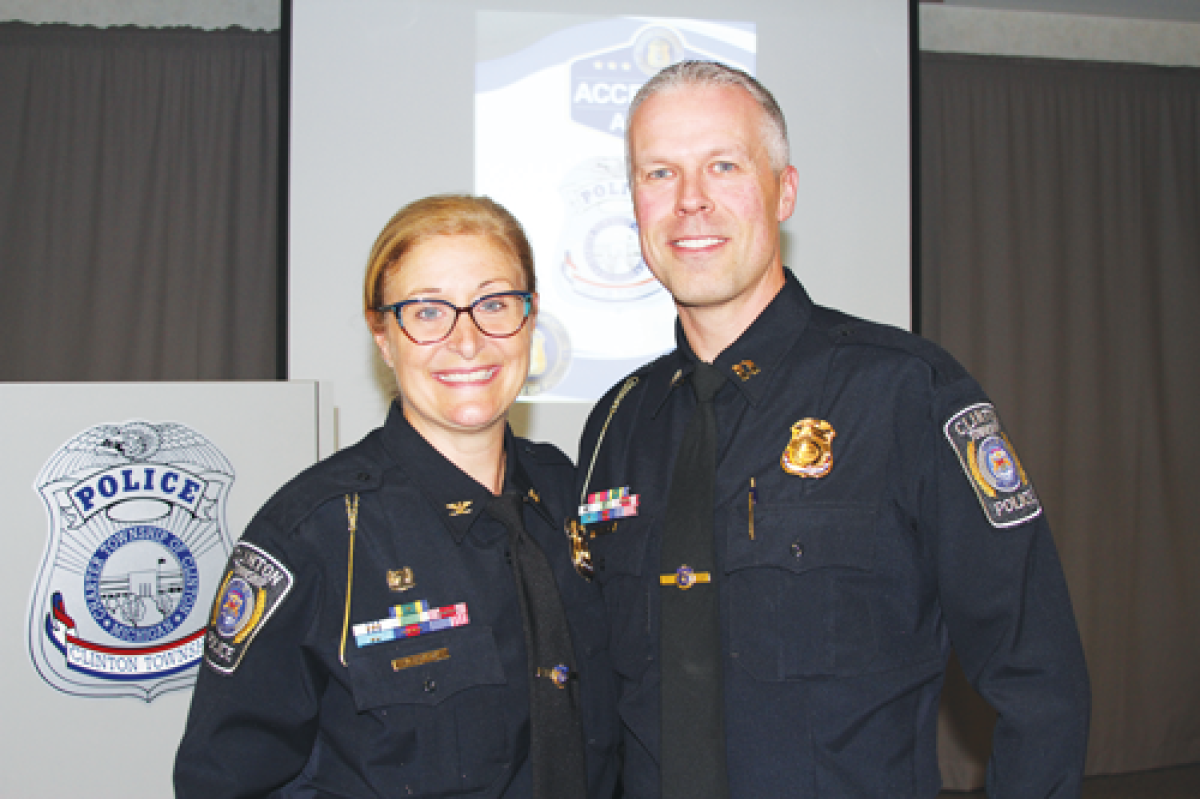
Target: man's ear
(789, 185)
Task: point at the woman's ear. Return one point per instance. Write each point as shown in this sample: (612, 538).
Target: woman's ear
(378, 323)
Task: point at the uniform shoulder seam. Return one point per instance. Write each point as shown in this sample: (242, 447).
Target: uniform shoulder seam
(844, 330)
(544, 453)
(356, 470)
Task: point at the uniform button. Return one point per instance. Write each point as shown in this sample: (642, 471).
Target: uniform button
(430, 686)
(363, 477)
(797, 550)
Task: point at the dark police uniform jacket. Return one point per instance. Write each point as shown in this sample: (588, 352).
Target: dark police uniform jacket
(445, 713)
(839, 606)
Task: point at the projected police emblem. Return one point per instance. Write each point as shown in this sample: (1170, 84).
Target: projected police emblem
(137, 543)
(601, 255)
(549, 355)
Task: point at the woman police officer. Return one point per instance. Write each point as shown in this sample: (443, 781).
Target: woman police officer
(403, 619)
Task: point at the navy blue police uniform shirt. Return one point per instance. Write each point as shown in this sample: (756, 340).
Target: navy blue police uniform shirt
(869, 511)
(283, 708)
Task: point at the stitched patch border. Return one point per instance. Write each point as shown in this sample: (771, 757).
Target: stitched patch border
(992, 466)
(254, 585)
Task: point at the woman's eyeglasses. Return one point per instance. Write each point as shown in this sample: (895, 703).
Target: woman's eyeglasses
(497, 315)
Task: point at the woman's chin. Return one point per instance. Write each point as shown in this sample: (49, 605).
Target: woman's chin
(481, 418)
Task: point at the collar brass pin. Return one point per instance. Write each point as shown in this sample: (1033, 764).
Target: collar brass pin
(810, 452)
(533, 495)
(459, 508)
(746, 369)
(400, 579)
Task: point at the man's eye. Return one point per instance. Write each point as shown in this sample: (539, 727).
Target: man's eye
(724, 166)
(659, 174)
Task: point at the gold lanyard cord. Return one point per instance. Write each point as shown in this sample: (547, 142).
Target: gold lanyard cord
(352, 519)
(629, 384)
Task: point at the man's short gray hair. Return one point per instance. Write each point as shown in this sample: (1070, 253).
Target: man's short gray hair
(688, 74)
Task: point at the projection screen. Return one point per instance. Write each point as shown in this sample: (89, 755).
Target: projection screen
(393, 100)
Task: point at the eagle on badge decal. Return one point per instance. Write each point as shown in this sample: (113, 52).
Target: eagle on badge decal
(809, 453)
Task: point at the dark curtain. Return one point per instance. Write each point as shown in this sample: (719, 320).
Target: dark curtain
(138, 203)
(1060, 262)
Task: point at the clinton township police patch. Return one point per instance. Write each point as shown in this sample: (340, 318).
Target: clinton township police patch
(254, 585)
(992, 467)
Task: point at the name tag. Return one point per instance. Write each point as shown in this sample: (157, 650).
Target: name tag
(433, 656)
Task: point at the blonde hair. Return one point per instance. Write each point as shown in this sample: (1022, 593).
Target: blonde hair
(441, 215)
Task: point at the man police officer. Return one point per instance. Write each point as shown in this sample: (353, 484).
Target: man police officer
(856, 507)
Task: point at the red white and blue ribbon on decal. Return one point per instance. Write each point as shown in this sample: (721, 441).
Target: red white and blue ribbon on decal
(118, 663)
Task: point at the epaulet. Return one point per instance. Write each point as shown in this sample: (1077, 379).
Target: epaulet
(349, 471)
(627, 383)
(544, 454)
(645, 368)
(846, 330)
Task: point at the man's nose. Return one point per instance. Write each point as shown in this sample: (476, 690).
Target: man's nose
(693, 195)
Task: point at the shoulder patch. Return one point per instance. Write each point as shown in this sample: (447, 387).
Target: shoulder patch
(254, 585)
(991, 465)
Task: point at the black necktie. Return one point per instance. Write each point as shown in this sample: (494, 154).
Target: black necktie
(693, 730)
(556, 734)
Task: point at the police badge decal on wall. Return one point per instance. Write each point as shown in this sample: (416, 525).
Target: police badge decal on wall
(137, 543)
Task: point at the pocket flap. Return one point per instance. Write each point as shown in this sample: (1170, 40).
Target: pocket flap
(801, 538)
(425, 670)
(619, 547)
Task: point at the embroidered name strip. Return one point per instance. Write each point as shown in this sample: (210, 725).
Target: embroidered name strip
(433, 656)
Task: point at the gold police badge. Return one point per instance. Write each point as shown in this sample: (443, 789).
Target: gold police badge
(809, 453)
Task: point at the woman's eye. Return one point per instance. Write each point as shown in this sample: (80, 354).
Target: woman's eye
(493, 304)
(428, 313)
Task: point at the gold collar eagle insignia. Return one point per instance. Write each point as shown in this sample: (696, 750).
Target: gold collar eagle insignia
(809, 453)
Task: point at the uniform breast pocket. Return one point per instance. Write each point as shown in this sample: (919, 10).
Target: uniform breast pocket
(440, 701)
(619, 556)
(800, 591)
